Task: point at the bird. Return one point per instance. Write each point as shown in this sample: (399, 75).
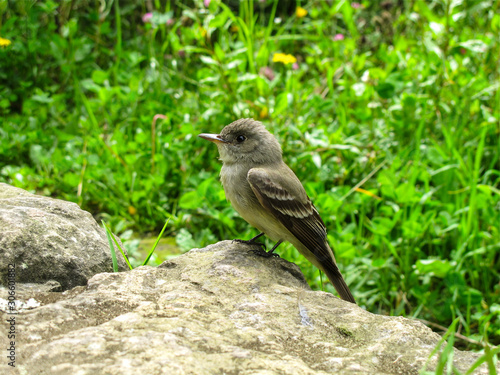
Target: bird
(269, 196)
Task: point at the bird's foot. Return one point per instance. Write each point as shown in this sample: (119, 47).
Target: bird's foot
(263, 253)
(261, 250)
(252, 242)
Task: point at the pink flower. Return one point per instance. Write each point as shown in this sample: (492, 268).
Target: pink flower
(356, 5)
(338, 37)
(170, 22)
(267, 72)
(295, 66)
(147, 17)
(206, 3)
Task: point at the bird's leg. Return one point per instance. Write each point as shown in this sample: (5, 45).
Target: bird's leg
(267, 254)
(253, 241)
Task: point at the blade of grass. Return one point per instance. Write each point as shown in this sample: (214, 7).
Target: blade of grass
(117, 245)
(358, 185)
(156, 243)
(489, 357)
(111, 248)
(244, 35)
(118, 45)
(446, 351)
(474, 182)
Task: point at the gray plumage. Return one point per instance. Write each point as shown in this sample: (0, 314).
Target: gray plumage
(268, 195)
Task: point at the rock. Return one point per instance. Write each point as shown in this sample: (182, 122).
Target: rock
(50, 240)
(218, 310)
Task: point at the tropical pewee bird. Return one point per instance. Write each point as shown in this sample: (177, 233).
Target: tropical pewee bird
(268, 195)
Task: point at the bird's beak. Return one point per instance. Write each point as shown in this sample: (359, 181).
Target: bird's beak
(216, 138)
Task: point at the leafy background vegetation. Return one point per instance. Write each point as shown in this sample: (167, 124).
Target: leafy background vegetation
(387, 111)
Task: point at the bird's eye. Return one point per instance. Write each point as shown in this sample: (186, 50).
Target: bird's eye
(240, 138)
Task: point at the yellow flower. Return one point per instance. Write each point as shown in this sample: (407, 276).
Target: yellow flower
(300, 12)
(132, 210)
(283, 58)
(203, 32)
(4, 42)
(263, 112)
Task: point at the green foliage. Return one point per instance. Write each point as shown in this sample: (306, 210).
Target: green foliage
(407, 87)
(112, 239)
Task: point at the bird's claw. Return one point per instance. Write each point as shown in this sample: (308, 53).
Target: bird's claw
(261, 250)
(250, 242)
(263, 253)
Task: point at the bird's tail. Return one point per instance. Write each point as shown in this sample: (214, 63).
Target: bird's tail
(331, 269)
(338, 282)
(323, 258)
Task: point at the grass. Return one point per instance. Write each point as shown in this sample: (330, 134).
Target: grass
(390, 117)
(112, 239)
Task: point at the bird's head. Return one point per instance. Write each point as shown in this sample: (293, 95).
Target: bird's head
(246, 140)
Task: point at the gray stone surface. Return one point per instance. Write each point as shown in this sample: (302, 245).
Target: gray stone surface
(50, 239)
(218, 310)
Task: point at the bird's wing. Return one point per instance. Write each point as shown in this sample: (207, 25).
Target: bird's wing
(292, 207)
(296, 213)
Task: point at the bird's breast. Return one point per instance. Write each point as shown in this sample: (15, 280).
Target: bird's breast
(240, 194)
